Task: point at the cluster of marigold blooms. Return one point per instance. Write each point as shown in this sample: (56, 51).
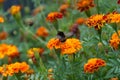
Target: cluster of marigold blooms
(93, 65)
(97, 21)
(11, 69)
(8, 50)
(82, 5)
(69, 46)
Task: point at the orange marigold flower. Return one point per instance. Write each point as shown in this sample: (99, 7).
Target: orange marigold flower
(31, 52)
(3, 49)
(80, 21)
(84, 5)
(42, 31)
(93, 65)
(115, 18)
(38, 10)
(8, 50)
(12, 51)
(9, 70)
(108, 16)
(15, 9)
(54, 43)
(53, 16)
(16, 66)
(3, 35)
(96, 21)
(1, 19)
(70, 46)
(115, 78)
(24, 67)
(1, 1)
(63, 8)
(115, 40)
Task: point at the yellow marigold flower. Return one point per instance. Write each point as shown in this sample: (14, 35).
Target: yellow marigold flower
(115, 40)
(3, 35)
(50, 70)
(54, 43)
(1, 19)
(32, 51)
(70, 46)
(96, 21)
(80, 21)
(15, 9)
(8, 50)
(42, 31)
(84, 5)
(93, 65)
(53, 16)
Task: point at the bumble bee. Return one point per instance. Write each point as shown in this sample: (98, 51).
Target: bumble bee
(61, 36)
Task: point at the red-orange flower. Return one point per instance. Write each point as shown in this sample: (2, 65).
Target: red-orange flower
(118, 2)
(93, 65)
(84, 5)
(3, 35)
(115, 40)
(53, 16)
(42, 31)
(80, 21)
(96, 21)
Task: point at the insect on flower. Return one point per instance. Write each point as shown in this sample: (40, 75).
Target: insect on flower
(61, 36)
